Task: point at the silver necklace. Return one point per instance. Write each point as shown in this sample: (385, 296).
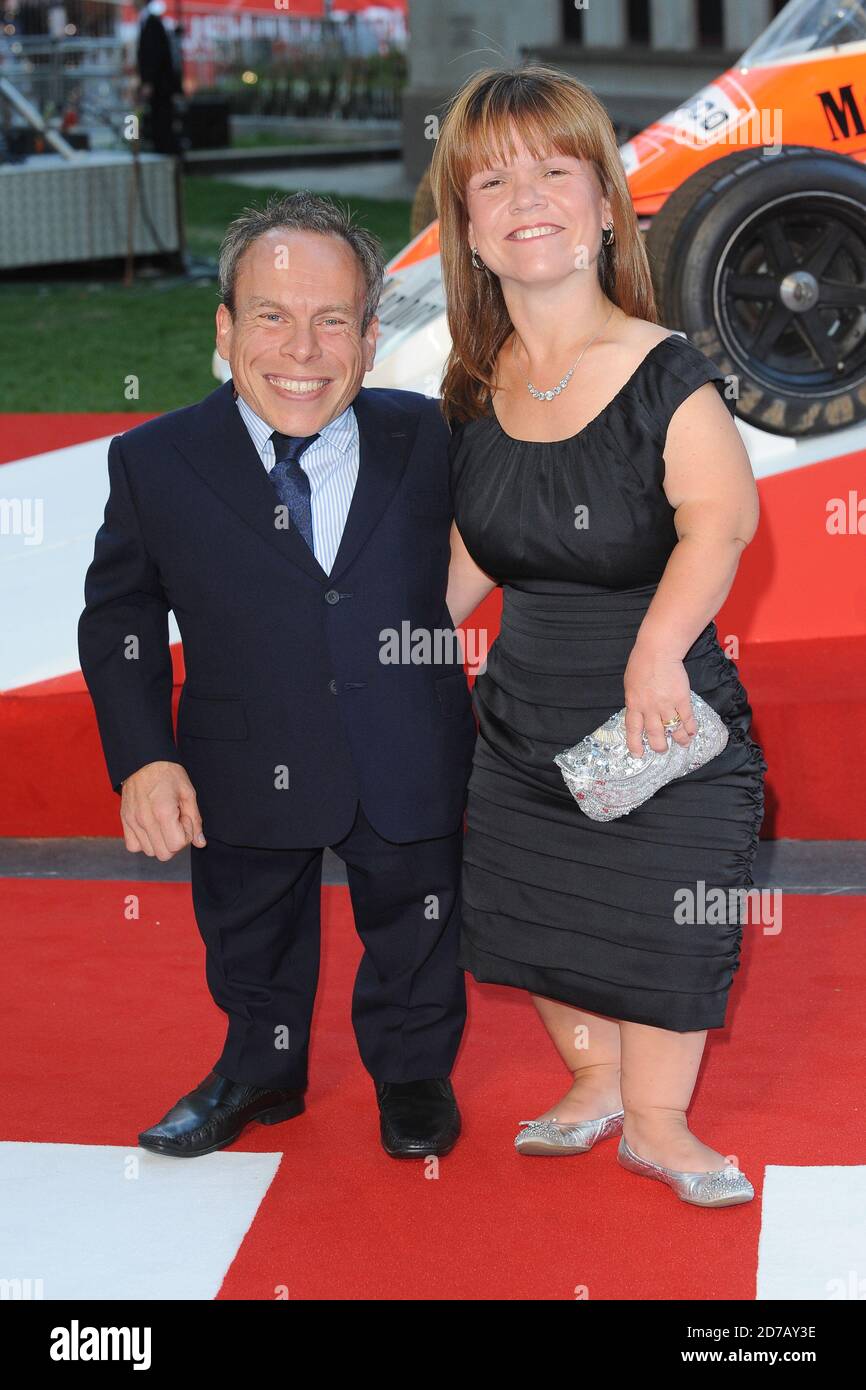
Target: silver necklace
(549, 395)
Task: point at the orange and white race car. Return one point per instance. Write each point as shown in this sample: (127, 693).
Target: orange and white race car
(752, 197)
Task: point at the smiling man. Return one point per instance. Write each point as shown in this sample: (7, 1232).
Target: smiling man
(306, 380)
(290, 519)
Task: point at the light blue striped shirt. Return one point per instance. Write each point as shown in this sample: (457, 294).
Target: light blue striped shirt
(330, 463)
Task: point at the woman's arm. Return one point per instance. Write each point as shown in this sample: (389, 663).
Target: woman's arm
(709, 483)
(467, 584)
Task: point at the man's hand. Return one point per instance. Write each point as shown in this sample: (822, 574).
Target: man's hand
(159, 811)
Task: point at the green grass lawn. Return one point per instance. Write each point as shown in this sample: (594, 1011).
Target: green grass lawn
(72, 345)
(262, 139)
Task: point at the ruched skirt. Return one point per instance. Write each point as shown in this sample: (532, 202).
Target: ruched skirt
(634, 918)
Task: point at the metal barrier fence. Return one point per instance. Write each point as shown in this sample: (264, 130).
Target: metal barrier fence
(263, 66)
(54, 74)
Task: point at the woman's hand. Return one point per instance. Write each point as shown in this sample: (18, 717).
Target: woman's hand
(656, 689)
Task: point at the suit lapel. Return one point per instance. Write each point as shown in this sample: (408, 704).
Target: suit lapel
(217, 444)
(385, 438)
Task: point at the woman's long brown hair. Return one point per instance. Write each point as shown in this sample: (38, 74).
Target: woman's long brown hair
(552, 113)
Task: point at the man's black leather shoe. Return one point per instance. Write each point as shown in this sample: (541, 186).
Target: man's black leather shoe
(418, 1118)
(215, 1113)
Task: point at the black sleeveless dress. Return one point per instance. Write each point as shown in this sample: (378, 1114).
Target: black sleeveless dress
(582, 911)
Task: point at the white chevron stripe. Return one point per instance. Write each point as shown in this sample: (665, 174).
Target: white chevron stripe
(813, 1234)
(92, 1221)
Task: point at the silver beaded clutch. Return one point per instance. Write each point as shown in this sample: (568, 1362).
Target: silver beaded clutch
(606, 781)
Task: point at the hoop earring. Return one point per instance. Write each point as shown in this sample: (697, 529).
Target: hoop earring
(607, 241)
(477, 264)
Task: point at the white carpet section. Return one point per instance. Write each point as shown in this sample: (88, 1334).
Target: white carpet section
(93, 1221)
(53, 505)
(813, 1234)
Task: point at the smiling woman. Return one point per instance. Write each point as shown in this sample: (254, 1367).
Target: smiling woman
(609, 493)
(564, 142)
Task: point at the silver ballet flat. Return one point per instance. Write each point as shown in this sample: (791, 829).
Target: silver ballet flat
(724, 1187)
(553, 1137)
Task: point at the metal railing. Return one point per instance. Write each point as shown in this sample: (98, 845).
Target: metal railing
(311, 69)
(86, 75)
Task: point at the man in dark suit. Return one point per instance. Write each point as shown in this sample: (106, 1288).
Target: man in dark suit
(159, 79)
(298, 525)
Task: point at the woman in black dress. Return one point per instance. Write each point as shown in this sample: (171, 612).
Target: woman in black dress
(599, 477)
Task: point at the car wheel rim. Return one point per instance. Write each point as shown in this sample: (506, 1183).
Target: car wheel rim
(790, 295)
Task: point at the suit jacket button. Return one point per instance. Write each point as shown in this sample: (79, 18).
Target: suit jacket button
(332, 686)
(332, 596)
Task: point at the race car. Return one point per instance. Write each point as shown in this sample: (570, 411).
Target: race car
(752, 198)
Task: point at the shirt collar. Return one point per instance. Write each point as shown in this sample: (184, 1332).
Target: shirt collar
(335, 432)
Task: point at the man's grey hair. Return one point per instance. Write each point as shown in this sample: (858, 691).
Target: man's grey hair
(302, 212)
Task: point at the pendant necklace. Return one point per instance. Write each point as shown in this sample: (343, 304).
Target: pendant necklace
(549, 395)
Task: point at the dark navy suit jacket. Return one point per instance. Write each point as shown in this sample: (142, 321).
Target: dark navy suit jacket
(288, 715)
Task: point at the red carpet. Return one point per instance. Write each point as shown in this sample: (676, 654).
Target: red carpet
(106, 1021)
(24, 435)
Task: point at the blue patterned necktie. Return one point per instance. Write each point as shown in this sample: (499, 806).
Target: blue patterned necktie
(291, 482)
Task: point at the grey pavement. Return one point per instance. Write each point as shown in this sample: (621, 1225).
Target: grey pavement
(371, 179)
(797, 866)
(108, 859)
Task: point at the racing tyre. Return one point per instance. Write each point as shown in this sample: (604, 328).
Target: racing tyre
(761, 260)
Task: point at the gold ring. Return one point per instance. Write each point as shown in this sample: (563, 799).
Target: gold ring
(672, 723)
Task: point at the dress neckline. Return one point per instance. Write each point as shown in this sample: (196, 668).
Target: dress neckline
(545, 443)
